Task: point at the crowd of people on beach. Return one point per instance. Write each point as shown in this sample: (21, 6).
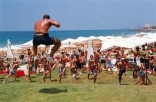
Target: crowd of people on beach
(76, 61)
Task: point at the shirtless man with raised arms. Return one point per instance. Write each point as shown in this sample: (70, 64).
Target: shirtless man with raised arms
(41, 36)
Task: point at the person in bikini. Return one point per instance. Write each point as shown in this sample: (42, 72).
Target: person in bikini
(83, 63)
(52, 68)
(62, 69)
(48, 67)
(122, 68)
(92, 68)
(40, 63)
(31, 67)
(79, 63)
(97, 60)
(41, 36)
(73, 67)
(12, 72)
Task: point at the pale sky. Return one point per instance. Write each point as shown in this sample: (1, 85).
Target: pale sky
(20, 15)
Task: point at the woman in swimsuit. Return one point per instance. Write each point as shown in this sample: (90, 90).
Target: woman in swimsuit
(92, 68)
(30, 68)
(108, 63)
(46, 66)
(12, 72)
(73, 67)
(62, 69)
(122, 69)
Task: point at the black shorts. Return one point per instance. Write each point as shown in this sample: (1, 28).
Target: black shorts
(43, 39)
(151, 66)
(155, 69)
(122, 70)
(102, 61)
(79, 65)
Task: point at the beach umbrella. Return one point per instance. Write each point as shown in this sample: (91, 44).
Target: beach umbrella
(9, 52)
(90, 49)
(92, 37)
(15, 48)
(68, 41)
(28, 44)
(107, 44)
(141, 41)
(125, 43)
(101, 38)
(68, 46)
(81, 39)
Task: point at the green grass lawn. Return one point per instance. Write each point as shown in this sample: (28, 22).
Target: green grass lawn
(79, 90)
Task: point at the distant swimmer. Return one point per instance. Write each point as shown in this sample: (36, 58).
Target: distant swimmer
(41, 36)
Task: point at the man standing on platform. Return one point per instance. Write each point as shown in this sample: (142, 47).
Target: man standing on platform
(41, 36)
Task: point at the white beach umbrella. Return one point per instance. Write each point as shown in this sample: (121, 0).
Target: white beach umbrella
(9, 52)
(107, 44)
(92, 37)
(81, 39)
(28, 44)
(139, 41)
(15, 47)
(125, 43)
(68, 46)
(101, 38)
(90, 49)
(68, 41)
(147, 38)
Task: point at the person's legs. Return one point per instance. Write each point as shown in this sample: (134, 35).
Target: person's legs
(84, 68)
(50, 75)
(64, 72)
(57, 44)
(7, 77)
(95, 76)
(106, 69)
(44, 76)
(34, 50)
(29, 72)
(120, 76)
(60, 76)
(135, 75)
(15, 77)
(141, 80)
(88, 75)
(89, 72)
(111, 69)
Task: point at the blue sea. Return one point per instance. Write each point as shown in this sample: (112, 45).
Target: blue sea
(20, 37)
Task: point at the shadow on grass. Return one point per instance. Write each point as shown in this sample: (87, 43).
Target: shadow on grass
(52, 90)
(91, 78)
(33, 81)
(1, 78)
(33, 76)
(123, 84)
(54, 80)
(11, 81)
(78, 78)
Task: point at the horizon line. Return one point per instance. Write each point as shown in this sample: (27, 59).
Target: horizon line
(67, 30)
